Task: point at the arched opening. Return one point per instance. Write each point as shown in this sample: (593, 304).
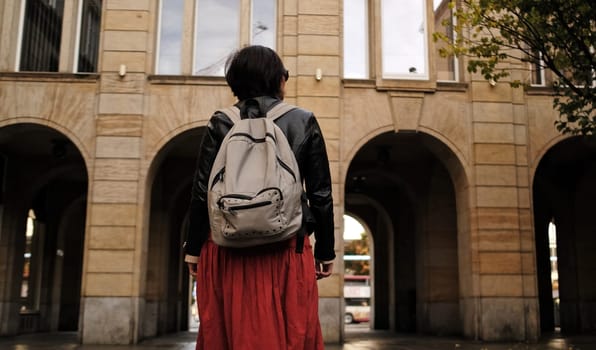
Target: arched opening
(357, 274)
(43, 201)
(564, 195)
(169, 304)
(401, 187)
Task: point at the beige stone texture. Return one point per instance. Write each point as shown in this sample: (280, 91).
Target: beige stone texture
(483, 92)
(108, 284)
(290, 7)
(521, 155)
(523, 177)
(329, 65)
(525, 219)
(501, 286)
(118, 40)
(493, 133)
(447, 118)
(319, 7)
(406, 110)
(135, 61)
(117, 261)
(361, 122)
(521, 135)
(496, 175)
(117, 147)
(290, 25)
(119, 125)
(318, 25)
(496, 197)
(330, 286)
(498, 218)
(132, 83)
(327, 87)
(527, 240)
(500, 263)
(530, 288)
(528, 263)
(541, 130)
(322, 107)
(523, 198)
(103, 214)
(325, 45)
(112, 237)
(492, 112)
(126, 20)
(487, 153)
(290, 45)
(115, 191)
(116, 169)
(500, 240)
(128, 5)
(330, 128)
(120, 103)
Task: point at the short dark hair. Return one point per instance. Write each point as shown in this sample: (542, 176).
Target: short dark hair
(255, 71)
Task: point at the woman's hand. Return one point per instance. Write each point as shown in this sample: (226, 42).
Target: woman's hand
(192, 269)
(323, 269)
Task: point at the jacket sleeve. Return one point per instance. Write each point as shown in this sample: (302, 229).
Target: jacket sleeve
(198, 228)
(317, 180)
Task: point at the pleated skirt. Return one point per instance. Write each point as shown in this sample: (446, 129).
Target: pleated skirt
(258, 298)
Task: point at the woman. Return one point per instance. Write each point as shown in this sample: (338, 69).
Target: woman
(264, 297)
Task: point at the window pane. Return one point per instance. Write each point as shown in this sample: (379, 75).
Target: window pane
(170, 37)
(446, 66)
(356, 39)
(217, 35)
(89, 36)
(404, 39)
(264, 17)
(42, 32)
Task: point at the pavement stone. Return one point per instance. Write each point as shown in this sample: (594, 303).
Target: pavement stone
(355, 340)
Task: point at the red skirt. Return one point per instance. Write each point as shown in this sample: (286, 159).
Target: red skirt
(258, 298)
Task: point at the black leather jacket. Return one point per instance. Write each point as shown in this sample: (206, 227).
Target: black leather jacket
(306, 140)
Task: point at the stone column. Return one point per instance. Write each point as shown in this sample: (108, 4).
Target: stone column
(503, 262)
(311, 44)
(111, 287)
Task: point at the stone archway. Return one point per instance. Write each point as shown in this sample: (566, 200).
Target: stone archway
(167, 290)
(43, 212)
(564, 193)
(420, 185)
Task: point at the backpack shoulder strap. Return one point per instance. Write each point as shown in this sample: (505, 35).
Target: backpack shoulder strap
(279, 109)
(232, 112)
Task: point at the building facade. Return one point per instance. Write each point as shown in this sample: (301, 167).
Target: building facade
(102, 108)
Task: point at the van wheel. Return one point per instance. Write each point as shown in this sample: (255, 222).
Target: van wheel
(348, 318)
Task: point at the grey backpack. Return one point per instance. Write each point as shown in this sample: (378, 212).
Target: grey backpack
(254, 185)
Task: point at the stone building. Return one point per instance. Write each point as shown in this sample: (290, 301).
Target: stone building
(102, 107)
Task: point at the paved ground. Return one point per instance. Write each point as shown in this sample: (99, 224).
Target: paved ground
(356, 339)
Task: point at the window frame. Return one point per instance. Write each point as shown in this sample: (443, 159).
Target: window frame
(189, 35)
(69, 41)
(399, 82)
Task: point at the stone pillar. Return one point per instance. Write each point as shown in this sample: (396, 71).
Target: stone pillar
(111, 277)
(503, 261)
(311, 42)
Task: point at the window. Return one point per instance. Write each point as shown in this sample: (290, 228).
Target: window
(404, 39)
(88, 43)
(537, 69)
(170, 37)
(42, 32)
(356, 49)
(220, 27)
(42, 35)
(447, 67)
